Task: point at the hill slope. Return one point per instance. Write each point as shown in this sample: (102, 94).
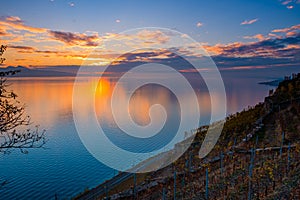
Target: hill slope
(256, 157)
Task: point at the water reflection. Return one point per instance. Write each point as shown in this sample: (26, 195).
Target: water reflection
(139, 109)
(142, 100)
(46, 100)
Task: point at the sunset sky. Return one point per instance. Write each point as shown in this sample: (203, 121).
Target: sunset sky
(235, 33)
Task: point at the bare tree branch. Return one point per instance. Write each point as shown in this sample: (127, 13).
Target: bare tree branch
(14, 123)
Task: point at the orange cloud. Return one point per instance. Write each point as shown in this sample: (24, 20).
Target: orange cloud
(292, 33)
(285, 30)
(15, 23)
(219, 49)
(257, 36)
(49, 47)
(153, 36)
(3, 32)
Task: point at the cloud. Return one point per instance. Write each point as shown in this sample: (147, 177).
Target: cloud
(289, 4)
(280, 46)
(15, 23)
(150, 36)
(257, 36)
(75, 38)
(14, 31)
(14, 27)
(292, 33)
(285, 30)
(199, 24)
(48, 52)
(247, 22)
(270, 47)
(118, 21)
(140, 39)
(13, 19)
(21, 47)
(71, 4)
(286, 2)
(21, 59)
(3, 32)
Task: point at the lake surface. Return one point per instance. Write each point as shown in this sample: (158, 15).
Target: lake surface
(65, 167)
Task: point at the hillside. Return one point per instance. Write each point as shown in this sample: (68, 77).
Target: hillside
(39, 72)
(256, 157)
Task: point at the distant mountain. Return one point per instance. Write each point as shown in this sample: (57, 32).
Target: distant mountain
(38, 72)
(271, 83)
(61, 68)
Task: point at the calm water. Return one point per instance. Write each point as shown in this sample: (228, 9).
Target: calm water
(65, 167)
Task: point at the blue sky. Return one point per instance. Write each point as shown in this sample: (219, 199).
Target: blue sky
(221, 19)
(59, 25)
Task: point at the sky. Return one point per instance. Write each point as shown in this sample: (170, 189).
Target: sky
(233, 32)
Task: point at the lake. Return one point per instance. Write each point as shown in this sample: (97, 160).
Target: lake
(65, 167)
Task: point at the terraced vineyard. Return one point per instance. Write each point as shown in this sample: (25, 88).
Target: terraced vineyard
(256, 157)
